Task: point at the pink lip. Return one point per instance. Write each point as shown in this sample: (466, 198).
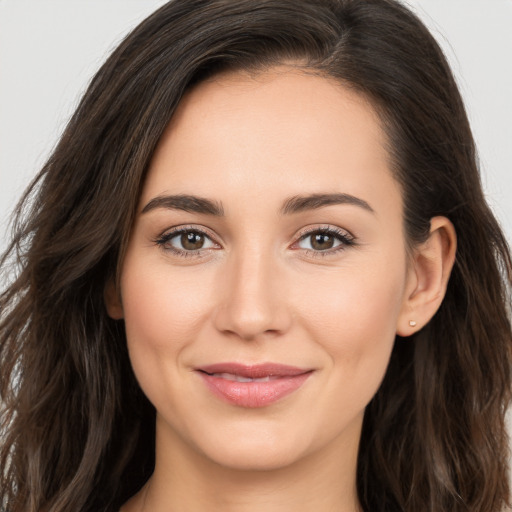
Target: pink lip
(283, 381)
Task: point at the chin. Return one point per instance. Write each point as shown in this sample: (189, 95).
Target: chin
(254, 447)
(256, 457)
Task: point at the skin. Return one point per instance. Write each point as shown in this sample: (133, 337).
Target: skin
(258, 291)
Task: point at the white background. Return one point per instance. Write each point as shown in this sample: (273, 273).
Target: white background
(49, 50)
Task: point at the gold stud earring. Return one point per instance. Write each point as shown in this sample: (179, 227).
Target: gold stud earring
(412, 323)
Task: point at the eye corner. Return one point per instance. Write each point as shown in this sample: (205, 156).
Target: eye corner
(335, 240)
(203, 238)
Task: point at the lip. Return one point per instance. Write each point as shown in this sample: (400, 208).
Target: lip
(276, 382)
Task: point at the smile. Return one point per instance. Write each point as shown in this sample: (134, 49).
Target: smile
(241, 378)
(252, 386)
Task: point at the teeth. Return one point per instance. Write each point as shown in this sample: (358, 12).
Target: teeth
(240, 378)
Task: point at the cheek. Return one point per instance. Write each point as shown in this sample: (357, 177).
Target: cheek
(162, 313)
(353, 314)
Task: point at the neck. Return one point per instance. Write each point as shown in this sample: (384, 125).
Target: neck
(185, 480)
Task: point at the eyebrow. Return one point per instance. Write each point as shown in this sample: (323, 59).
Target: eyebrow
(187, 203)
(299, 204)
(295, 204)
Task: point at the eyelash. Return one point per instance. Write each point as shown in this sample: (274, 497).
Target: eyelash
(346, 239)
(163, 240)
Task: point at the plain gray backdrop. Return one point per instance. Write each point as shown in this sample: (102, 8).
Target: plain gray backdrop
(49, 50)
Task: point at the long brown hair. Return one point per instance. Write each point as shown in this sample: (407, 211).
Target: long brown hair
(77, 433)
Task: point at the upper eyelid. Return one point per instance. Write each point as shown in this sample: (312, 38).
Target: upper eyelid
(325, 228)
(163, 242)
(302, 233)
(176, 230)
(163, 239)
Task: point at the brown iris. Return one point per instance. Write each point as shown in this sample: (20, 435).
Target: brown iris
(322, 241)
(192, 240)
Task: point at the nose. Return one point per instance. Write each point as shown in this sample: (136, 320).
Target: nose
(253, 298)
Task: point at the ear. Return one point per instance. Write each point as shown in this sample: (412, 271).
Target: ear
(429, 271)
(112, 300)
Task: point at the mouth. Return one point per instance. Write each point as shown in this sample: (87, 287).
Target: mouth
(252, 386)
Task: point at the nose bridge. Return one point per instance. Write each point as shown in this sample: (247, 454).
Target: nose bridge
(252, 299)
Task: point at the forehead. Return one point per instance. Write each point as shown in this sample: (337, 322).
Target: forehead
(283, 130)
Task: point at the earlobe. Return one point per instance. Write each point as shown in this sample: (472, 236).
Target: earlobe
(430, 270)
(112, 300)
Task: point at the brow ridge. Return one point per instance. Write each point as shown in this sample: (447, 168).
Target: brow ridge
(187, 203)
(297, 204)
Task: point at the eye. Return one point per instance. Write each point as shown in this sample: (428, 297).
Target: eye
(186, 240)
(327, 240)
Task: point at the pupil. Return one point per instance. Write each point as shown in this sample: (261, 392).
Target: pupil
(192, 241)
(321, 241)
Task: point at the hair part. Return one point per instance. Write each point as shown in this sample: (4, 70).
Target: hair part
(78, 433)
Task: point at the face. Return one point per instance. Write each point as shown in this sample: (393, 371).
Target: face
(266, 271)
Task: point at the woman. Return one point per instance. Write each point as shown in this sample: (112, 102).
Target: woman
(259, 273)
